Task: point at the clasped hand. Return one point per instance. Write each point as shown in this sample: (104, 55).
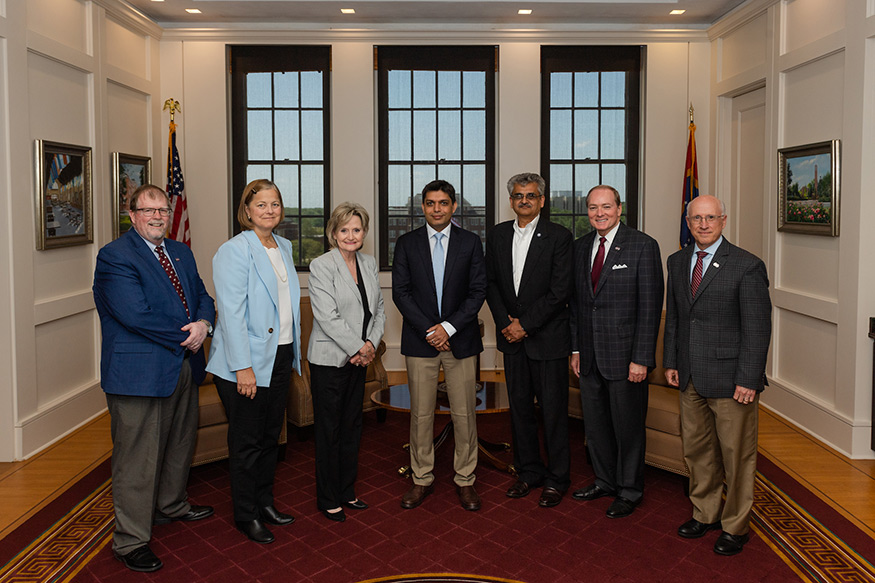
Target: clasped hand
(365, 355)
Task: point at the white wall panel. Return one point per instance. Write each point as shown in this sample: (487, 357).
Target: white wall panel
(65, 22)
(808, 264)
(60, 101)
(126, 49)
(805, 21)
(806, 354)
(743, 48)
(66, 358)
(813, 102)
(128, 121)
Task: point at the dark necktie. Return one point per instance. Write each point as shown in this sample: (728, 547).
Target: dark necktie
(598, 263)
(697, 272)
(165, 263)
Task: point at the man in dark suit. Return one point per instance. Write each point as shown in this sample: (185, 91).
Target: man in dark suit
(617, 304)
(718, 325)
(154, 314)
(528, 268)
(438, 285)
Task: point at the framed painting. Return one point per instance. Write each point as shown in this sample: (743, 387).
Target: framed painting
(63, 195)
(128, 173)
(809, 187)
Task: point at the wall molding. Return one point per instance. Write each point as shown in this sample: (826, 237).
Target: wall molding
(60, 307)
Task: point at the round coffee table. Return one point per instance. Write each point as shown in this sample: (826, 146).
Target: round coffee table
(491, 397)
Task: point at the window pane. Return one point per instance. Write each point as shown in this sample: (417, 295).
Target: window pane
(613, 133)
(449, 89)
(423, 89)
(312, 242)
(259, 135)
(614, 89)
(560, 135)
(285, 89)
(452, 173)
(400, 189)
(424, 135)
(474, 185)
(560, 90)
(586, 176)
(256, 172)
(312, 189)
(311, 89)
(287, 135)
(474, 88)
(561, 189)
(474, 132)
(564, 220)
(399, 89)
(286, 179)
(258, 89)
(449, 135)
(311, 135)
(422, 175)
(586, 90)
(399, 135)
(586, 134)
(615, 175)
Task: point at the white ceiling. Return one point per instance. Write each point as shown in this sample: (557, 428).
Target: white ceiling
(651, 13)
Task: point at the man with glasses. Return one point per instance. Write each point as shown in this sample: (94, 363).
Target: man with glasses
(616, 309)
(717, 332)
(528, 268)
(154, 315)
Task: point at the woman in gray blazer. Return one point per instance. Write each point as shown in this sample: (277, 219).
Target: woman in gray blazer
(348, 322)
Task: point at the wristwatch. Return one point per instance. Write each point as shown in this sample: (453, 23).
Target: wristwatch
(209, 326)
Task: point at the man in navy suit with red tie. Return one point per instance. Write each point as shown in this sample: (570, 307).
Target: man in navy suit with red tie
(438, 285)
(154, 315)
(616, 308)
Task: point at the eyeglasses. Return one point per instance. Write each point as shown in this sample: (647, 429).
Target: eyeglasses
(705, 219)
(528, 195)
(164, 212)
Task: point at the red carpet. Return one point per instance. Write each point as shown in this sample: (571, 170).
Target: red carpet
(508, 540)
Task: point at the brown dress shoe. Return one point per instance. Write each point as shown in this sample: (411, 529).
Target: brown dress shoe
(468, 497)
(415, 495)
(550, 497)
(520, 489)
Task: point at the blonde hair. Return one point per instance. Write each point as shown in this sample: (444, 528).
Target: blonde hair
(250, 191)
(341, 215)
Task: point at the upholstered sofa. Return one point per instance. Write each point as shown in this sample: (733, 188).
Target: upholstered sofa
(663, 424)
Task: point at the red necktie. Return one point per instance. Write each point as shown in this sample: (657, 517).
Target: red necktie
(697, 272)
(598, 263)
(165, 263)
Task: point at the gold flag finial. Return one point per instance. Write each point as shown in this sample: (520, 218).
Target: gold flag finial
(173, 106)
(691, 112)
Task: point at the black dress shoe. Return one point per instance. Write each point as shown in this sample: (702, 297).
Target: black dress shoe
(621, 507)
(550, 497)
(256, 531)
(730, 544)
(695, 529)
(519, 489)
(335, 516)
(141, 559)
(194, 513)
(271, 515)
(591, 492)
(356, 505)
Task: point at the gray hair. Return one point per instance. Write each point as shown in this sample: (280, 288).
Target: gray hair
(527, 178)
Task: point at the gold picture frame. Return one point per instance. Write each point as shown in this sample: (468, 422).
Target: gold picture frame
(129, 172)
(63, 195)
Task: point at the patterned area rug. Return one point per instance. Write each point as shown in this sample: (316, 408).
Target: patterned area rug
(817, 543)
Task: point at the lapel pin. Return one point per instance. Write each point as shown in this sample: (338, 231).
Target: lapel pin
(716, 265)
(616, 248)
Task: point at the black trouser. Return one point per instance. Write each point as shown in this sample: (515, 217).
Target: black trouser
(254, 427)
(337, 415)
(546, 380)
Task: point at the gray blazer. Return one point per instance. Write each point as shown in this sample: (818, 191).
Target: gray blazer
(337, 308)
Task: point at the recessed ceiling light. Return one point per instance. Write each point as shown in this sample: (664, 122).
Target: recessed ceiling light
(524, 11)
(676, 12)
(347, 10)
(157, 0)
(192, 10)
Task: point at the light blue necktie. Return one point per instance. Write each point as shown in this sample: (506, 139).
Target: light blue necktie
(437, 265)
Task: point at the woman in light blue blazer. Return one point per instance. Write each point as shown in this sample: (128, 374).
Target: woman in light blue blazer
(348, 323)
(255, 345)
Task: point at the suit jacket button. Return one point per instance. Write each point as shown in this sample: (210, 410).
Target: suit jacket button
(270, 330)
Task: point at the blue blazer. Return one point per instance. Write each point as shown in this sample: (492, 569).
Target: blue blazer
(247, 331)
(141, 315)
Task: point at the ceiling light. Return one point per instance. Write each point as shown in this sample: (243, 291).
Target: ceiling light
(347, 10)
(524, 11)
(676, 12)
(157, 0)
(192, 10)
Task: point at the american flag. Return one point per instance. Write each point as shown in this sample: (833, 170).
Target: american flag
(179, 228)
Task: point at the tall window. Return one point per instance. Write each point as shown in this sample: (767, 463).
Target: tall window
(590, 111)
(436, 120)
(280, 131)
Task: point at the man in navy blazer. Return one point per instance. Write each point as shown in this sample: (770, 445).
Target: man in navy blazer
(440, 329)
(528, 268)
(618, 291)
(152, 324)
(718, 325)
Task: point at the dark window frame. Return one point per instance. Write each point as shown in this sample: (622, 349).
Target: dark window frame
(432, 58)
(245, 59)
(586, 58)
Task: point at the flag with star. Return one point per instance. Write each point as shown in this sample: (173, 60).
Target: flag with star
(179, 227)
(691, 186)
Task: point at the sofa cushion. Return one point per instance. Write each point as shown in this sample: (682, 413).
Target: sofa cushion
(210, 408)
